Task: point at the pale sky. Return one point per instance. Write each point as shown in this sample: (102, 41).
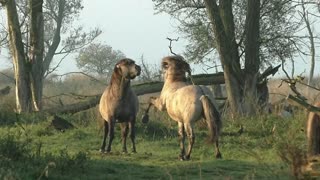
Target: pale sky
(132, 27)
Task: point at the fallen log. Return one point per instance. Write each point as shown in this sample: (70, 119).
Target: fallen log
(5, 91)
(296, 101)
(75, 107)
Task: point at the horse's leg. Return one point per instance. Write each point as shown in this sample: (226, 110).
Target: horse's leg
(181, 140)
(133, 134)
(111, 133)
(158, 103)
(218, 154)
(191, 137)
(106, 129)
(124, 133)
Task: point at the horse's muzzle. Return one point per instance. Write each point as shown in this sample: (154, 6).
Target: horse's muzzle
(138, 68)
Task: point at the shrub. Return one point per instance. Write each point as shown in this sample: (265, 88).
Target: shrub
(12, 149)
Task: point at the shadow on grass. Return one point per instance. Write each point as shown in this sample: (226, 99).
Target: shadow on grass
(141, 167)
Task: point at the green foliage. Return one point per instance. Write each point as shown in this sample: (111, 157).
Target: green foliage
(11, 149)
(65, 162)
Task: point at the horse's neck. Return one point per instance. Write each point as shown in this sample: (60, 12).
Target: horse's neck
(119, 87)
(170, 87)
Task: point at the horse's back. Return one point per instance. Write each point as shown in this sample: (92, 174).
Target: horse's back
(185, 104)
(195, 92)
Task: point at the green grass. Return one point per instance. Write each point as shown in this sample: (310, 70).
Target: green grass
(27, 148)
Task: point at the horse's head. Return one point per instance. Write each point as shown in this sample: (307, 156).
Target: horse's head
(175, 68)
(127, 68)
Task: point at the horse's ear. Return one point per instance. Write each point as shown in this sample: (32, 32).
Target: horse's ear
(117, 69)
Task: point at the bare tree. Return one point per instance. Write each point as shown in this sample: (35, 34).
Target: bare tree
(149, 72)
(35, 30)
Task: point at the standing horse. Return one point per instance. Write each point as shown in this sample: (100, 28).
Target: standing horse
(186, 104)
(118, 103)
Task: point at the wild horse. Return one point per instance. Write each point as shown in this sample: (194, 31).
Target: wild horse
(186, 104)
(118, 103)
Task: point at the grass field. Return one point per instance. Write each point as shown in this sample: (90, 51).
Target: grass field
(265, 150)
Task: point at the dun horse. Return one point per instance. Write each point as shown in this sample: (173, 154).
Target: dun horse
(118, 103)
(186, 104)
(313, 132)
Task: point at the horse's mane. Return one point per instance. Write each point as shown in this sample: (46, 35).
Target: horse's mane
(180, 69)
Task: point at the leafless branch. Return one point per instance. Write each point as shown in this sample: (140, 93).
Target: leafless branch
(72, 95)
(55, 68)
(12, 79)
(170, 45)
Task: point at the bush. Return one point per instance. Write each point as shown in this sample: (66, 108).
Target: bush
(65, 161)
(11, 149)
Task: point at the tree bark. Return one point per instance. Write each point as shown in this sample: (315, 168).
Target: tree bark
(21, 65)
(36, 52)
(312, 46)
(252, 60)
(241, 85)
(57, 38)
(221, 18)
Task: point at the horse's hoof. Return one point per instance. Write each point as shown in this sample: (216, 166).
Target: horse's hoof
(134, 152)
(181, 158)
(218, 156)
(145, 119)
(124, 152)
(102, 150)
(187, 158)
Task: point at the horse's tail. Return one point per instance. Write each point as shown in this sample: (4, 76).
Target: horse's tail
(313, 128)
(212, 117)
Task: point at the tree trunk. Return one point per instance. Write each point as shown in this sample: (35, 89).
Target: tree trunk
(252, 60)
(21, 65)
(223, 26)
(312, 46)
(241, 85)
(36, 52)
(57, 38)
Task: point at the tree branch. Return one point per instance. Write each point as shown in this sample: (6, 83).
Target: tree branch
(170, 45)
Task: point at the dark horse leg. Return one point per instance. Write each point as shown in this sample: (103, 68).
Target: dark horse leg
(133, 134)
(111, 133)
(191, 137)
(181, 140)
(106, 129)
(124, 133)
(218, 154)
